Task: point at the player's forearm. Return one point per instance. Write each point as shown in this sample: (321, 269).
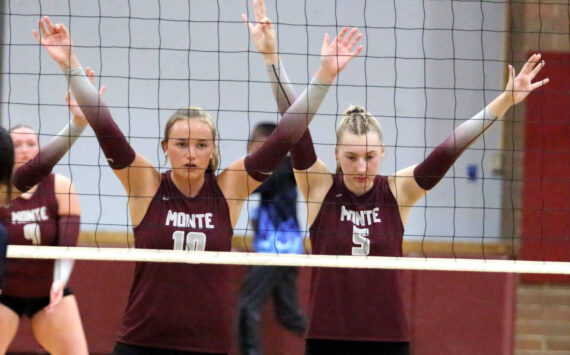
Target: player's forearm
(62, 270)
(281, 87)
(71, 63)
(325, 75)
(69, 227)
(115, 146)
(303, 152)
(290, 129)
(270, 58)
(500, 105)
(31, 173)
(428, 173)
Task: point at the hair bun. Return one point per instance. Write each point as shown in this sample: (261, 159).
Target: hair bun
(189, 111)
(355, 109)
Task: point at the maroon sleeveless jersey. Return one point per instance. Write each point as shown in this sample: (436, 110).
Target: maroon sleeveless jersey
(357, 304)
(182, 306)
(31, 222)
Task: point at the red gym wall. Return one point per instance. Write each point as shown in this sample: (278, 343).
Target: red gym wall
(546, 191)
(450, 313)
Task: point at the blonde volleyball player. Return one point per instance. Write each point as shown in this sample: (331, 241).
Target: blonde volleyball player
(47, 214)
(175, 308)
(354, 211)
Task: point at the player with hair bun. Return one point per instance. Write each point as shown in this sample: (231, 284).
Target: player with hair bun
(355, 211)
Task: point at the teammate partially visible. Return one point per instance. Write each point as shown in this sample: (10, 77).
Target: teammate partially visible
(13, 184)
(6, 167)
(48, 214)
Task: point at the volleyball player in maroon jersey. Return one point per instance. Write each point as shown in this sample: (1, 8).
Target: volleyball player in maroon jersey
(6, 168)
(48, 214)
(178, 308)
(357, 212)
(12, 184)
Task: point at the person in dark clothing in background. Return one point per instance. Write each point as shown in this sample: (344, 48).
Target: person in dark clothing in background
(276, 231)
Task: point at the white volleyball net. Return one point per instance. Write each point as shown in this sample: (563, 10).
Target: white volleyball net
(426, 67)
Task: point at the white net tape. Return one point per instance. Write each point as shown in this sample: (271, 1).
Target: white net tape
(337, 261)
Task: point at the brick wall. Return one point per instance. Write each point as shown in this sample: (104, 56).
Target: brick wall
(542, 320)
(542, 323)
(532, 26)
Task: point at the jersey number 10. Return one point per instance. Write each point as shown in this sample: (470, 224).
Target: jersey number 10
(195, 241)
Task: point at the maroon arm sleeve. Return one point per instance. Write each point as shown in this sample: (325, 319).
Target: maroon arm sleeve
(34, 171)
(115, 146)
(303, 152)
(68, 228)
(290, 129)
(31, 173)
(428, 173)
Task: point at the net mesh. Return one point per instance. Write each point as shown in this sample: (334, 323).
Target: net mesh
(426, 67)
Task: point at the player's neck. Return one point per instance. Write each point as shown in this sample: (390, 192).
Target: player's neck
(188, 185)
(358, 188)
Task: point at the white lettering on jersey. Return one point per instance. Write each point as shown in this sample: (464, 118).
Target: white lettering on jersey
(360, 218)
(360, 237)
(195, 241)
(27, 216)
(185, 220)
(32, 233)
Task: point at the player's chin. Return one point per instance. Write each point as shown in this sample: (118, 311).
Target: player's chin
(189, 170)
(21, 161)
(360, 180)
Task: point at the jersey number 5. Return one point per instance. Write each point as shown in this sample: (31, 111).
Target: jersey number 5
(360, 238)
(195, 241)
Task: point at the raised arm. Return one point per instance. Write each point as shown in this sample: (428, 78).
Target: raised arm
(31, 173)
(335, 56)
(243, 176)
(259, 165)
(312, 175)
(428, 173)
(141, 180)
(34, 171)
(263, 36)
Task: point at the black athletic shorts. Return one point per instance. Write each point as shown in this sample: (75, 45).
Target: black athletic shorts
(128, 349)
(28, 306)
(335, 347)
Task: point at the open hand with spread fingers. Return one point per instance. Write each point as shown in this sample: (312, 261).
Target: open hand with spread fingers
(521, 85)
(57, 42)
(336, 55)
